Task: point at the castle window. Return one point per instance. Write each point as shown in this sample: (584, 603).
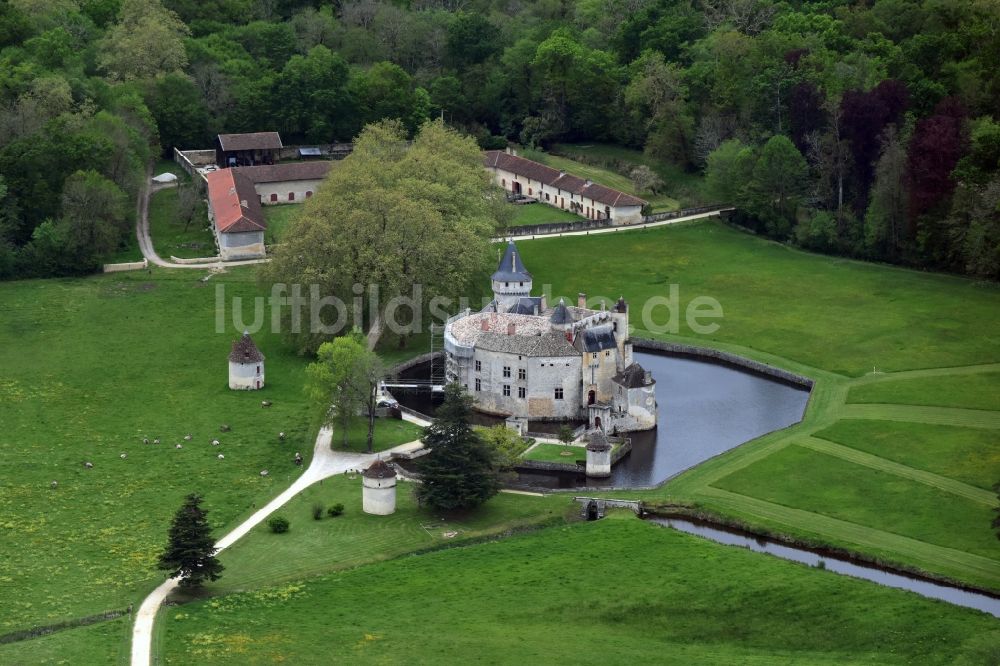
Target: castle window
(479, 386)
(506, 390)
(274, 196)
(547, 196)
(479, 366)
(559, 394)
(521, 392)
(607, 353)
(291, 196)
(594, 355)
(522, 374)
(506, 371)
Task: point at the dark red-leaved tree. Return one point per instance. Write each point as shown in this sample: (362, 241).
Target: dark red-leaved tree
(937, 144)
(805, 112)
(865, 115)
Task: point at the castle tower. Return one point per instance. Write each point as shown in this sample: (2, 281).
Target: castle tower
(598, 454)
(246, 365)
(511, 281)
(379, 489)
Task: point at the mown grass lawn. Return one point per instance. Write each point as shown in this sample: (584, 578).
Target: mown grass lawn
(970, 455)
(830, 486)
(312, 547)
(978, 391)
(555, 453)
(826, 312)
(388, 433)
(541, 213)
(91, 367)
(631, 592)
(277, 219)
(170, 236)
(105, 644)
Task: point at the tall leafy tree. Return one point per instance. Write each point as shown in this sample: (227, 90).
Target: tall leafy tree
(190, 551)
(779, 183)
(390, 217)
(343, 381)
(147, 40)
(459, 472)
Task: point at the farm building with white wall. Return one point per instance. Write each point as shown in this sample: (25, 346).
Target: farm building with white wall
(560, 189)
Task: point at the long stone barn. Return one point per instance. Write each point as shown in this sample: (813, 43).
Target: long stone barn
(562, 190)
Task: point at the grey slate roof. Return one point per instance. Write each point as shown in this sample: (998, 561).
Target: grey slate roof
(550, 344)
(526, 305)
(634, 376)
(379, 470)
(510, 268)
(245, 351)
(598, 338)
(560, 314)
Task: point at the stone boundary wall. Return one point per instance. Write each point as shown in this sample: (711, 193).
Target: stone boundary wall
(335, 150)
(195, 260)
(415, 361)
(129, 266)
(190, 160)
(727, 358)
(547, 228)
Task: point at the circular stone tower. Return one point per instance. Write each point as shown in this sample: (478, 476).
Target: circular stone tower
(246, 365)
(379, 493)
(598, 454)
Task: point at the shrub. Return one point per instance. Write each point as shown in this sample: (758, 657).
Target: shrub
(317, 511)
(278, 524)
(335, 510)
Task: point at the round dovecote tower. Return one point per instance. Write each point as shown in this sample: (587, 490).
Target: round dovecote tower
(246, 365)
(379, 492)
(598, 454)
(511, 280)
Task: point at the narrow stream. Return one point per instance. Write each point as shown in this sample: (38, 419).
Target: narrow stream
(924, 588)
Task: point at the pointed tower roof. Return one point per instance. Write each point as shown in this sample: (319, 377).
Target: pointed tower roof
(245, 351)
(511, 269)
(561, 315)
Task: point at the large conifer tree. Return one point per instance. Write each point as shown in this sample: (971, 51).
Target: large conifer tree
(190, 552)
(459, 472)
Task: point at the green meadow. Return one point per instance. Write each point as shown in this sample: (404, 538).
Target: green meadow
(614, 591)
(174, 238)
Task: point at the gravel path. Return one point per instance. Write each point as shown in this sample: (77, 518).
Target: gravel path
(325, 463)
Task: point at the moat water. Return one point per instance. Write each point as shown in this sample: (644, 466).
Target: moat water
(925, 588)
(705, 409)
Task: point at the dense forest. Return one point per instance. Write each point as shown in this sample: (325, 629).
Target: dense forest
(857, 128)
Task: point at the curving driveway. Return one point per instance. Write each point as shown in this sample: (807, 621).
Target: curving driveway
(325, 463)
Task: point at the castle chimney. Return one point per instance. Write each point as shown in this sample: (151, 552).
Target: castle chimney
(507, 150)
(561, 173)
(581, 300)
(588, 183)
(604, 306)
(544, 304)
(647, 377)
(485, 324)
(243, 202)
(511, 328)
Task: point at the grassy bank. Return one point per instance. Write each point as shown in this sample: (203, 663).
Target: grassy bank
(90, 368)
(172, 237)
(541, 213)
(511, 602)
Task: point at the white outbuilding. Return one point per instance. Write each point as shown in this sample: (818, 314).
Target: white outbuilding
(379, 492)
(598, 454)
(246, 365)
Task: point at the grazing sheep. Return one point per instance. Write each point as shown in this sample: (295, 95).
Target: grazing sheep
(123, 456)
(187, 438)
(53, 484)
(263, 472)
(281, 436)
(215, 442)
(156, 441)
(222, 457)
(265, 403)
(88, 465)
(145, 440)
(224, 428)
(179, 446)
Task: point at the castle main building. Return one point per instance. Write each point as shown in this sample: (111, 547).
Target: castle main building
(522, 357)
